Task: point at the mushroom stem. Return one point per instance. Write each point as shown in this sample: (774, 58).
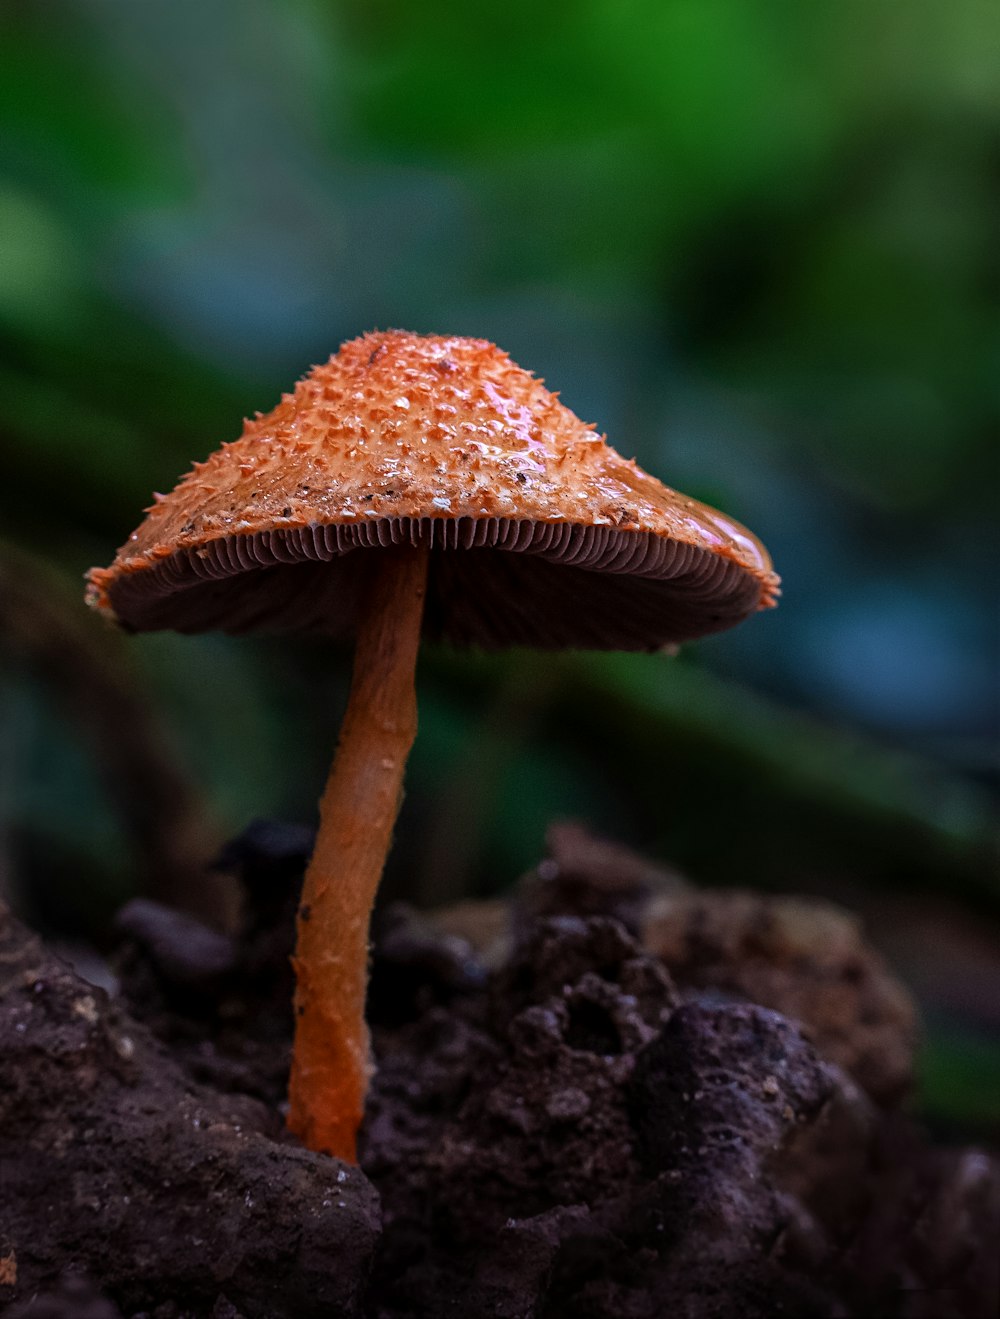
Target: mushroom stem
(331, 1061)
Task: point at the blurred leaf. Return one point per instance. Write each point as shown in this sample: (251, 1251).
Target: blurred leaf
(65, 106)
(40, 269)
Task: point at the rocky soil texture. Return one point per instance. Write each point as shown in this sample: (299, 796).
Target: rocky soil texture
(616, 1097)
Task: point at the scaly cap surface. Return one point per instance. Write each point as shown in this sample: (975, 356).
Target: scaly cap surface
(557, 539)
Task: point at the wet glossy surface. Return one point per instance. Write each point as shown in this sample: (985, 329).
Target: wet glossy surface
(401, 426)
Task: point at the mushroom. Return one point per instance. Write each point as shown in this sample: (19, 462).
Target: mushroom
(415, 485)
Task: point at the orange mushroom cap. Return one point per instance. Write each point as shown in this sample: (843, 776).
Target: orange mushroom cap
(541, 534)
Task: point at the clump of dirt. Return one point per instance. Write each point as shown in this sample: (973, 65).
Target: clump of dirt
(116, 1163)
(592, 1143)
(801, 956)
(579, 1110)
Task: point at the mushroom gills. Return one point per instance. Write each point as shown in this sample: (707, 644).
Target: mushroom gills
(547, 585)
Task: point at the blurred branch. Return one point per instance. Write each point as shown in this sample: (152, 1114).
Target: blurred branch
(737, 788)
(82, 665)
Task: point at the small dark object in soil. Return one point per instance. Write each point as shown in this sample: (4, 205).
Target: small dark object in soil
(572, 1133)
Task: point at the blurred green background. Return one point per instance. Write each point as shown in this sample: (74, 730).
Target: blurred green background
(755, 243)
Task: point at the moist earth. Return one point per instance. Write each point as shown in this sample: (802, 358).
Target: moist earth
(613, 1097)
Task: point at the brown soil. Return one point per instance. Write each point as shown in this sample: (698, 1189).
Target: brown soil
(630, 1100)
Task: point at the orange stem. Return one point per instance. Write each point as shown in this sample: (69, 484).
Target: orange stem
(331, 1060)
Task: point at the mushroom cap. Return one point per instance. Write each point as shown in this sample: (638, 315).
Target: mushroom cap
(540, 533)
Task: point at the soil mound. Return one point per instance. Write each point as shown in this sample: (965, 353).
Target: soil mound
(614, 1098)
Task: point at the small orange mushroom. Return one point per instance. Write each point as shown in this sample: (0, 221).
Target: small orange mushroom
(415, 484)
